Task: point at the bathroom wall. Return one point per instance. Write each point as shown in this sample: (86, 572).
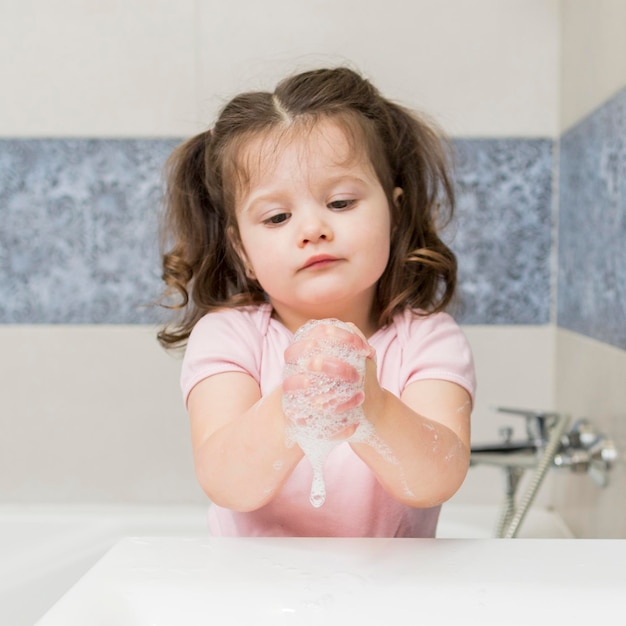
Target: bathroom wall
(591, 300)
(90, 409)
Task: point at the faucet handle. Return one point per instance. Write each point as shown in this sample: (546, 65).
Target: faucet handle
(536, 421)
(506, 433)
(585, 450)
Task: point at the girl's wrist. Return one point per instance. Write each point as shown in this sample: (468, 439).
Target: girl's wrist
(375, 396)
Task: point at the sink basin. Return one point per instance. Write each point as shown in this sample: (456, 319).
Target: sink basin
(158, 581)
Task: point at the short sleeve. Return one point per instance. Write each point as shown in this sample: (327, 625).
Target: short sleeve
(435, 347)
(221, 341)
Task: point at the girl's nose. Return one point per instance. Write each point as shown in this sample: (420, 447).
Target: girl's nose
(315, 228)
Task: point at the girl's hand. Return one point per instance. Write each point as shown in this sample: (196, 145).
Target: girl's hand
(324, 380)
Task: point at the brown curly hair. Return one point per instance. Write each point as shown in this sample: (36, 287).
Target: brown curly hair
(201, 268)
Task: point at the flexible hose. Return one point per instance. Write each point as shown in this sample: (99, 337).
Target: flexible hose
(538, 475)
(507, 510)
(505, 516)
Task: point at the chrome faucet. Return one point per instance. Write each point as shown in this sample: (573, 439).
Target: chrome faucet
(521, 453)
(584, 450)
(547, 445)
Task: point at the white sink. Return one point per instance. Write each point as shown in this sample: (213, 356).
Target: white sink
(159, 581)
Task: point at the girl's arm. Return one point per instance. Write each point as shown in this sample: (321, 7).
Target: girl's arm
(239, 441)
(242, 459)
(422, 453)
(428, 434)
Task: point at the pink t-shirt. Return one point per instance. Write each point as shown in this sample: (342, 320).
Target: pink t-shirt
(412, 348)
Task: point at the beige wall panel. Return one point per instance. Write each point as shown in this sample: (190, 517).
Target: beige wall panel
(137, 68)
(591, 383)
(92, 414)
(593, 56)
(81, 68)
(514, 366)
(480, 67)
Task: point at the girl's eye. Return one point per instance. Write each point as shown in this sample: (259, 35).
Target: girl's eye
(341, 204)
(279, 218)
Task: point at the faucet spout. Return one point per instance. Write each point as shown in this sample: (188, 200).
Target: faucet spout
(520, 458)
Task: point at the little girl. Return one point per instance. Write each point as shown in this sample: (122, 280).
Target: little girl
(320, 201)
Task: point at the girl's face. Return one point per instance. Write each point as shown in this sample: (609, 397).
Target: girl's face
(315, 226)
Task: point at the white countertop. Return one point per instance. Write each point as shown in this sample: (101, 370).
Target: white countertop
(159, 581)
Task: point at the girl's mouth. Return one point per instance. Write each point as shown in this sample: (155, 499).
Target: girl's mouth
(319, 261)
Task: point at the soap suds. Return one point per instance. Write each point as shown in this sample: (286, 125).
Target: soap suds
(314, 410)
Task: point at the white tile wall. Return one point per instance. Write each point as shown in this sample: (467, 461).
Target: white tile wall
(448, 58)
(514, 368)
(107, 68)
(92, 414)
(159, 68)
(590, 383)
(593, 59)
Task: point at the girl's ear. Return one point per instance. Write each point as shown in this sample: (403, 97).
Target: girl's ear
(395, 217)
(397, 194)
(249, 271)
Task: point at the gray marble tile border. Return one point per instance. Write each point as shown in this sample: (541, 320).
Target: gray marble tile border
(79, 221)
(503, 230)
(78, 240)
(591, 296)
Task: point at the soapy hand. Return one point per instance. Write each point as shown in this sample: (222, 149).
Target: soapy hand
(329, 369)
(323, 384)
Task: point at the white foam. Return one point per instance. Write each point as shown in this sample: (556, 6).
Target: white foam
(314, 411)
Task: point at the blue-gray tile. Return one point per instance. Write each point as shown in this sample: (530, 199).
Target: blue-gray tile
(503, 230)
(592, 225)
(79, 229)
